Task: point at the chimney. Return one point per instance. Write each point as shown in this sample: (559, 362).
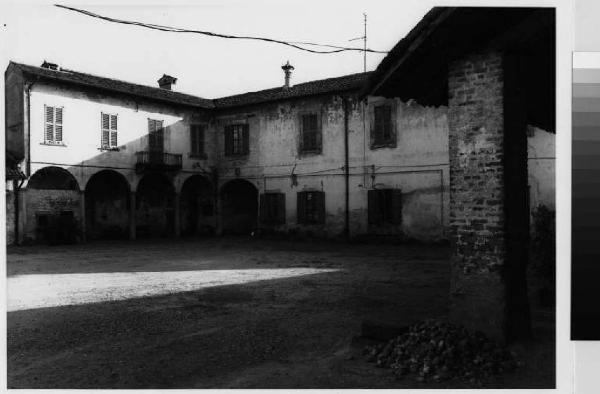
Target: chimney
(50, 66)
(166, 81)
(287, 69)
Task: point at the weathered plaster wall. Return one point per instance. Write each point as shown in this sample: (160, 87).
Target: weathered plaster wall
(541, 151)
(49, 202)
(81, 153)
(10, 214)
(418, 164)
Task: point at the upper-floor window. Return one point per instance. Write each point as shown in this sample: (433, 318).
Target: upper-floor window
(109, 131)
(197, 141)
(236, 139)
(382, 133)
(53, 131)
(310, 133)
(156, 142)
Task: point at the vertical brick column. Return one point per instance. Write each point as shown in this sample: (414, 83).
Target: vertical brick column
(82, 216)
(478, 297)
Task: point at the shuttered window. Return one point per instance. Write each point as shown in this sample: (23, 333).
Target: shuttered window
(385, 206)
(53, 125)
(383, 133)
(109, 131)
(237, 139)
(310, 133)
(156, 141)
(272, 208)
(197, 141)
(311, 207)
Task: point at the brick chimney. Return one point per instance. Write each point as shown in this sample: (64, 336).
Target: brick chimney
(287, 69)
(166, 81)
(50, 66)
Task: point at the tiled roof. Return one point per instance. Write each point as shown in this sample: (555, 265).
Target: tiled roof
(329, 85)
(114, 85)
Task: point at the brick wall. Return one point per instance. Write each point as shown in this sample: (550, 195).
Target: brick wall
(477, 211)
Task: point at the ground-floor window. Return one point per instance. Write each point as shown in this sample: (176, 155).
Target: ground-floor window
(311, 207)
(272, 208)
(385, 206)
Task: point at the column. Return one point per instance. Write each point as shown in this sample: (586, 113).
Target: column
(132, 209)
(177, 218)
(478, 288)
(82, 216)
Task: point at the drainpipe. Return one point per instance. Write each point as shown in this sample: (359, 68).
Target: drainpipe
(346, 168)
(28, 99)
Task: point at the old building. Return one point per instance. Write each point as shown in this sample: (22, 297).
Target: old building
(102, 158)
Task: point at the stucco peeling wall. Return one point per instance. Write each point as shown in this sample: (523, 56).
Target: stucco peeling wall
(418, 164)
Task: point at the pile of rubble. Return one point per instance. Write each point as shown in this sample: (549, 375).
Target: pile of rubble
(437, 351)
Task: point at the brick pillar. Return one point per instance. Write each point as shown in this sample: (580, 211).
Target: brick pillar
(177, 218)
(82, 216)
(478, 297)
(132, 215)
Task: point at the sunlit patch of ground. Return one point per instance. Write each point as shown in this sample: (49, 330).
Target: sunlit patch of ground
(51, 290)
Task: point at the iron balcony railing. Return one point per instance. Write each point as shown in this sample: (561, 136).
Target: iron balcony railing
(148, 160)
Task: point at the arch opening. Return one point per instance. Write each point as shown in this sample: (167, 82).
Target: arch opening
(53, 203)
(239, 207)
(107, 206)
(197, 213)
(155, 207)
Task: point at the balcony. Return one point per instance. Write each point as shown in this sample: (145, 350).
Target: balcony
(157, 161)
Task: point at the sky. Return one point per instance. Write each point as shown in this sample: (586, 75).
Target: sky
(34, 31)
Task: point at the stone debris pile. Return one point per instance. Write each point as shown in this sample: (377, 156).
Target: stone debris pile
(438, 351)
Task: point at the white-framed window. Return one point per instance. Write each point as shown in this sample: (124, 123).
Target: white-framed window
(53, 125)
(108, 126)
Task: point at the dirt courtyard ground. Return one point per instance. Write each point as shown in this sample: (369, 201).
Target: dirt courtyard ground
(226, 313)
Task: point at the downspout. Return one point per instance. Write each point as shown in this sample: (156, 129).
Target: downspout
(346, 169)
(28, 99)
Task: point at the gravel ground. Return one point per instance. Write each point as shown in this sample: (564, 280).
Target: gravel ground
(225, 313)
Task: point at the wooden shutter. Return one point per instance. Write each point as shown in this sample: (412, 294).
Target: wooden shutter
(374, 209)
(318, 133)
(49, 123)
(281, 208)
(320, 206)
(228, 140)
(194, 139)
(200, 138)
(58, 124)
(113, 131)
(246, 138)
(396, 195)
(105, 130)
(263, 208)
(301, 207)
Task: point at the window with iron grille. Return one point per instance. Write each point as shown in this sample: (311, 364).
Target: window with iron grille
(197, 141)
(311, 207)
(385, 206)
(53, 130)
(310, 133)
(156, 141)
(236, 140)
(109, 131)
(383, 133)
(272, 208)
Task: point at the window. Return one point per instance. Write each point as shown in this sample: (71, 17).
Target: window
(156, 141)
(272, 208)
(310, 133)
(109, 131)
(197, 141)
(53, 133)
(311, 207)
(236, 140)
(382, 132)
(385, 206)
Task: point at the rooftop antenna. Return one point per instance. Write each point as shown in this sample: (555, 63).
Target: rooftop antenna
(364, 38)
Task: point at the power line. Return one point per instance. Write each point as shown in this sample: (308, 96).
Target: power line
(296, 45)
